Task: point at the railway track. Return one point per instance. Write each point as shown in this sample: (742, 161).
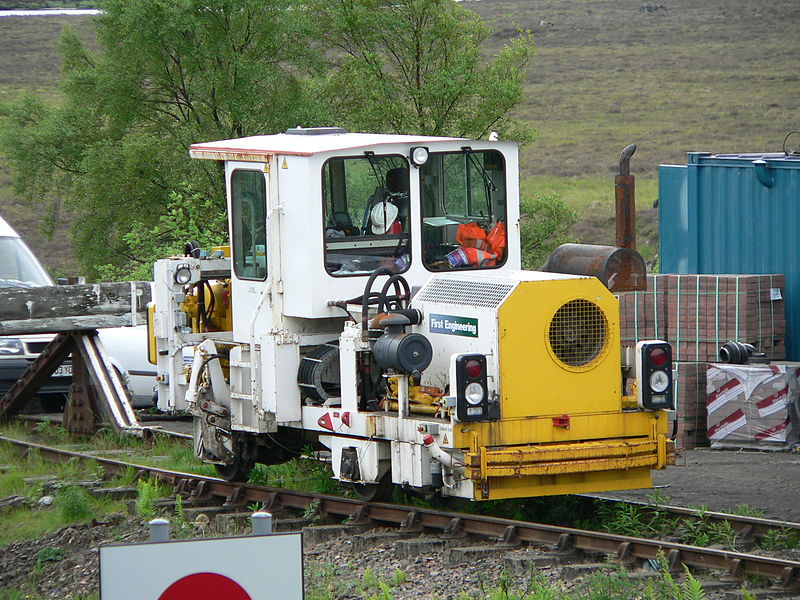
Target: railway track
(504, 532)
(747, 528)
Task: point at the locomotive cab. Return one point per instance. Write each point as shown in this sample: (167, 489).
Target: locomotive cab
(372, 301)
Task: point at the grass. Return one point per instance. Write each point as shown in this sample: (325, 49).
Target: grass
(698, 76)
(26, 476)
(589, 194)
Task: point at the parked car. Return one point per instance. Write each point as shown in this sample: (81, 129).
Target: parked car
(126, 346)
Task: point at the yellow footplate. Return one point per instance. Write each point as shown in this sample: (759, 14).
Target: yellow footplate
(554, 468)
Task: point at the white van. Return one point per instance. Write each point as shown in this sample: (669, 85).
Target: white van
(126, 346)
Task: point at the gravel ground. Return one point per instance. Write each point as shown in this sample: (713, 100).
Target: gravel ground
(22, 564)
(337, 567)
(334, 567)
(726, 479)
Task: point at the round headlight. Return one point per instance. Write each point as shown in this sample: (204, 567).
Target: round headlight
(473, 393)
(419, 156)
(659, 381)
(183, 275)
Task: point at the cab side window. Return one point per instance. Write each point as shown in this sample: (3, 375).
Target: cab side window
(366, 212)
(249, 223)
(464, 210)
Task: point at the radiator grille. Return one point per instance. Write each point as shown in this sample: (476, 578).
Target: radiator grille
(485, 294)
(578, 334)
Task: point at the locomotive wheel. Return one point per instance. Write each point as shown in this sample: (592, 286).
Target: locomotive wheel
(239, 470)
(374, 492)
(245, 460)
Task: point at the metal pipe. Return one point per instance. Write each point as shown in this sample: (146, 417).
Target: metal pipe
(625, 195)
(625, 159)
(440, 455)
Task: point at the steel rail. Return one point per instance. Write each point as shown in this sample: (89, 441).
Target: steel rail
(504, 531)
(746, 527)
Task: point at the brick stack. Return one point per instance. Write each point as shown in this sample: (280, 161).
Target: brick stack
(643, 315)
(691, 410)
(697, 314)
(705, 311)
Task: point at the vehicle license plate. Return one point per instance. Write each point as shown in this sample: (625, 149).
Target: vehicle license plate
(63, 371)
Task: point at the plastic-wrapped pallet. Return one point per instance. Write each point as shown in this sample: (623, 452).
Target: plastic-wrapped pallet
(753, 406)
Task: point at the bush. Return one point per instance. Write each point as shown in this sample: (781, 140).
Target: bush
(545, 223)
(74, 503)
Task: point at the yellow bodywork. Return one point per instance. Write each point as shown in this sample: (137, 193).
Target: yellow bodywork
(216, 296)
(563, 429)
(152, 356)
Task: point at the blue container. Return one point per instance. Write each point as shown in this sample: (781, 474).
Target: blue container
(734, 213)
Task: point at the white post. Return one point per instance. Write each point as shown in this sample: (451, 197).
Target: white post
(261, 523)
(159, 530)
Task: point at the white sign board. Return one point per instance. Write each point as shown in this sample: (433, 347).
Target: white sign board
(243, 568)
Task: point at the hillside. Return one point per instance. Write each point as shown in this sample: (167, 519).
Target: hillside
(718, 76)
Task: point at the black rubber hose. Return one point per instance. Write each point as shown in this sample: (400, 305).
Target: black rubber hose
(368, 292)
(398, 281)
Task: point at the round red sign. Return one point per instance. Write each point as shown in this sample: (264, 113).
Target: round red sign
(205, 586)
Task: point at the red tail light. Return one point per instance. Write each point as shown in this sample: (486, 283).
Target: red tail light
(473, 369)
(658, 357)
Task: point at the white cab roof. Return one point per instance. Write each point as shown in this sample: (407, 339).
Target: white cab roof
(258, 146)
(6, 230)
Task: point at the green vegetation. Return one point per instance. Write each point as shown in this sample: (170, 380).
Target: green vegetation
(706, 532)
(629, 519)
(415, 66)
(780, 539)
(49, 554)
(589, 195)
(38, 4)
(169, 74)
(27, 476)
(545, 224)
(150, 491)
(75, 504)
(302, 473)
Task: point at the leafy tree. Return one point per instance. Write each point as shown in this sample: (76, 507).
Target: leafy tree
(415, 66)
(168, 73)
(172, 72)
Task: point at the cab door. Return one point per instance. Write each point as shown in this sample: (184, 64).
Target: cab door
(248, 190)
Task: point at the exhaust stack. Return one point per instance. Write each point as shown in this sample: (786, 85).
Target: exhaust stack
(621, 268)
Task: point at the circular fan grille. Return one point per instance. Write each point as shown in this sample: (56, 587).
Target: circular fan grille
(578, 333)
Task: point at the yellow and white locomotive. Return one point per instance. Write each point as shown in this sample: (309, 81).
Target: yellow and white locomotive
(372, 301)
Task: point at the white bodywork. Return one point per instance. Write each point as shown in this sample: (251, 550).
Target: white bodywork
(276, 319)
